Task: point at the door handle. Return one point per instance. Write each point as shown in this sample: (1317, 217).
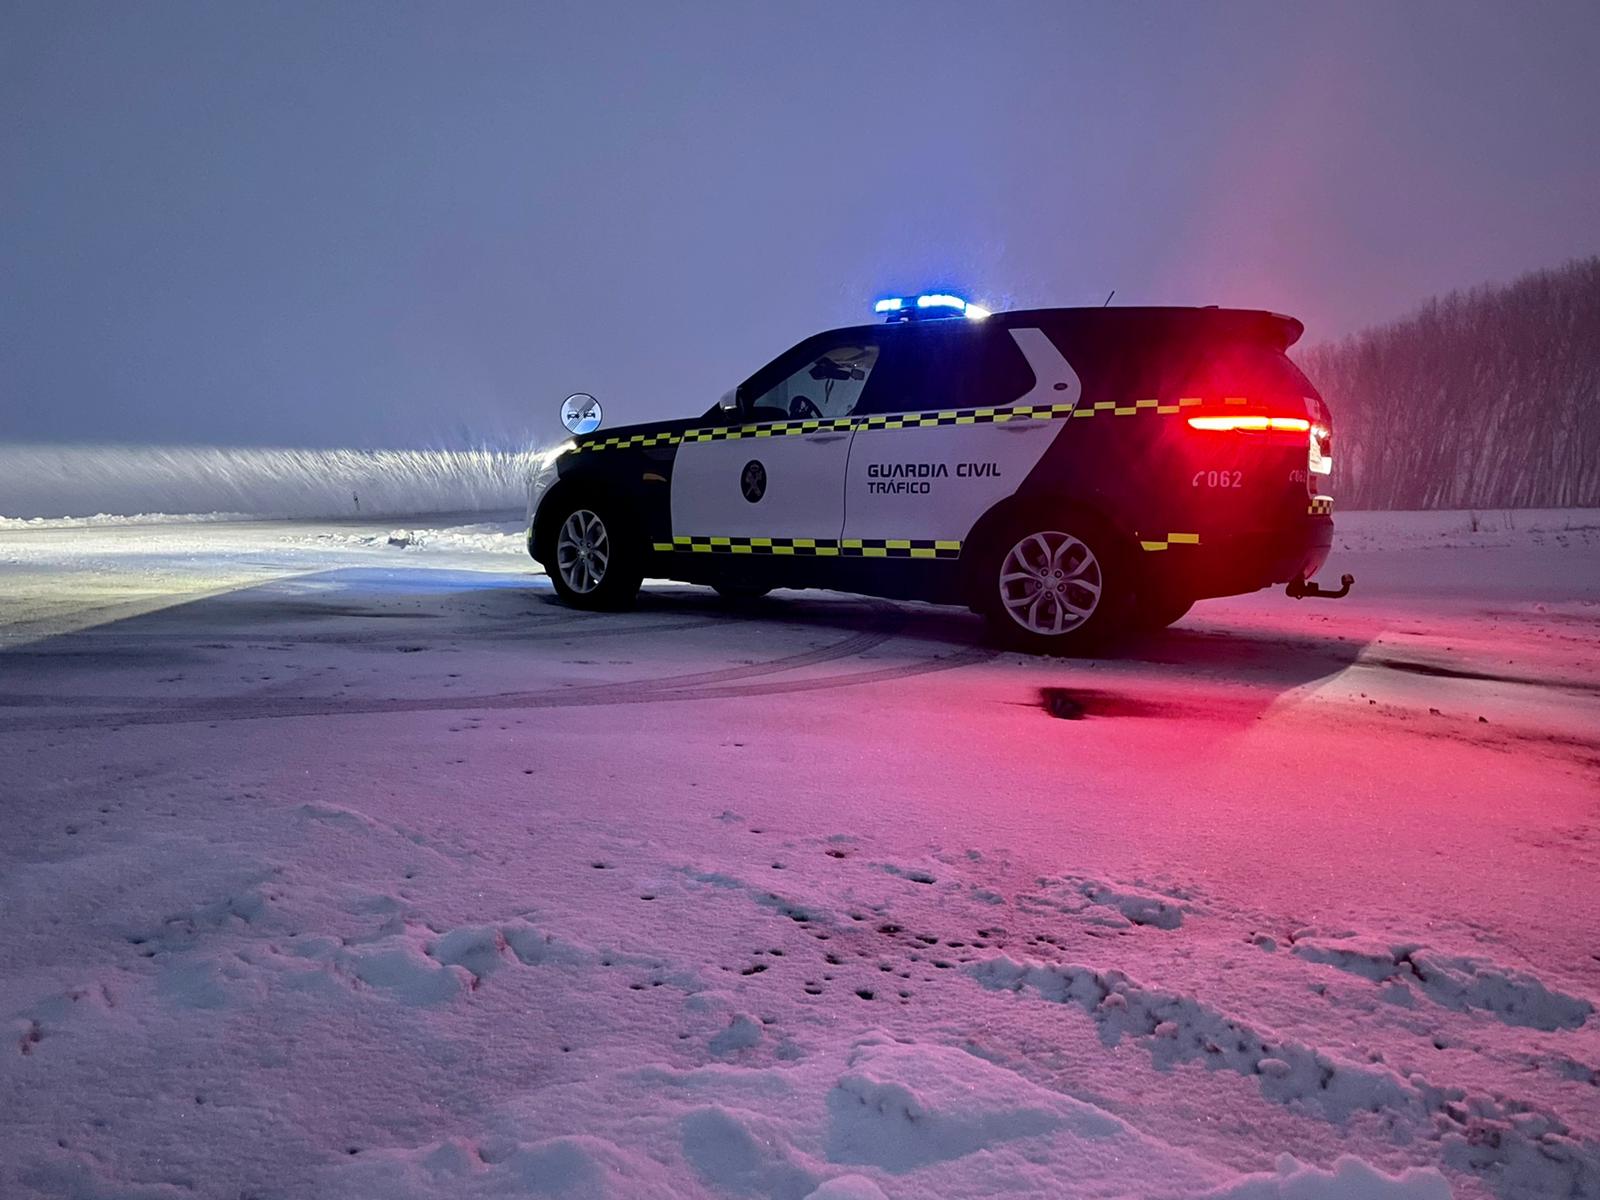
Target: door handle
(823, 438)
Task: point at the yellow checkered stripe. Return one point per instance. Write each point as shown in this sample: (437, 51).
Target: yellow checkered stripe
(630, 441)
(1110, 408)
(812, 547)
(726, 433)
(923, 420)
(966, 416)
(1320, 506)
(1172, 539)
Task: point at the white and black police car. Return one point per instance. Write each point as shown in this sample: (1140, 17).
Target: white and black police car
(1068, 472)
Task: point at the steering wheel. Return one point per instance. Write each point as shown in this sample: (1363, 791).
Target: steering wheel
(801, 406)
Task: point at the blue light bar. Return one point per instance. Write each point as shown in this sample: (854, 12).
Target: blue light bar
(900, 308)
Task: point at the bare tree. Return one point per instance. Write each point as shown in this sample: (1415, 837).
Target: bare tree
(1488, 398)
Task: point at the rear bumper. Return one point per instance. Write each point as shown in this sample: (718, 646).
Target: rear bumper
(1232, 564)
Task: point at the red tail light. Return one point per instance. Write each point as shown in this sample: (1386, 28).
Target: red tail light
(1254, 424)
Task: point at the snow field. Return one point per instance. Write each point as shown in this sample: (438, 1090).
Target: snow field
(375, 874)
(753, 1099)
(1453, 529)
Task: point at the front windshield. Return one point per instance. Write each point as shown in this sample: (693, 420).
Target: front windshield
(829, 385)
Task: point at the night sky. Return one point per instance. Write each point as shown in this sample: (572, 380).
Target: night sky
(363, 224)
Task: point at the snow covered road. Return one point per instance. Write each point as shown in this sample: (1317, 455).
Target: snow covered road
(340, 861)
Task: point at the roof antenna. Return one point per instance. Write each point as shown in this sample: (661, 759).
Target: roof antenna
(1108, 297)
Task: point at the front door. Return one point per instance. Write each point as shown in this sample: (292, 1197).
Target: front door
(776, 472)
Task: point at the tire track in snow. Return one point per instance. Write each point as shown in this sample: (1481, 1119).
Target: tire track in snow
(110, 639)
(649, 691)
(1430, 670)
(1516, 1147)
(849, 646)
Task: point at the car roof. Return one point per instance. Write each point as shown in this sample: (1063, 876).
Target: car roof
(1156, 321)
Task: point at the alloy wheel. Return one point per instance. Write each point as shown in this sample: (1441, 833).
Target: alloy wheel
(1050, 583)
(583, 551)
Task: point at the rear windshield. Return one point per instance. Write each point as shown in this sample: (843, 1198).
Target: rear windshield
(1241, 368)
(1180, 355)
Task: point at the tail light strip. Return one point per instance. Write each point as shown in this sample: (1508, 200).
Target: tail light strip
(1252, 424)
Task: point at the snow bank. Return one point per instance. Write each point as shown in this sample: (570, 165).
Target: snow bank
(1350, 1179)
(111, 520)
(1114, 905)
(1455, 981)
(898, 1117)
(903, 1106)
(486, 538)
(107, 482)
(579, 1166)
(1463, 528)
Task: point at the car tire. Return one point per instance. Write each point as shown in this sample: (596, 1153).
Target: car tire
(595, 559)
(1055, 585)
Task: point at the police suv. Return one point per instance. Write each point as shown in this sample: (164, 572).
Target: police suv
(1068, 472)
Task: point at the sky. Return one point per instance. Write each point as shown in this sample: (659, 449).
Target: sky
(369, 224)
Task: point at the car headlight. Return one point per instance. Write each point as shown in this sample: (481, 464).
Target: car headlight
(546, 459)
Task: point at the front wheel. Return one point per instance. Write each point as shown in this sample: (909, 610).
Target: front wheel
(1055, 587)
(596, 563)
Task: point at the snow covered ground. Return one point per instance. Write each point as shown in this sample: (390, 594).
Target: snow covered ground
(339, 861)
(84, 483)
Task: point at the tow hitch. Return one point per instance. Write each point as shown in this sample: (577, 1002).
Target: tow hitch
(1300, 589)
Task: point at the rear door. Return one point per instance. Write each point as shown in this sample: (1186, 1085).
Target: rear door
(963, 414)
(777, 471)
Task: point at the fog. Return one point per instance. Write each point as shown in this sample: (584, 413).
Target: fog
(357, 226)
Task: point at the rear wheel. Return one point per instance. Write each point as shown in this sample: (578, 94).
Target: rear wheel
(1055, 587)
(596, 563)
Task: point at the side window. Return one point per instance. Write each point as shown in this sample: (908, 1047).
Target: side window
(954, 365)
(827, 385)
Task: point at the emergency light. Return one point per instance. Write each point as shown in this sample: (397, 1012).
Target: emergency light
(929, 305)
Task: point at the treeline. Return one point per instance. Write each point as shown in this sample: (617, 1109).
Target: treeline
(1482, 399)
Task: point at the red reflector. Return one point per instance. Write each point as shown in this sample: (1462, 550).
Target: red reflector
(1256, 424)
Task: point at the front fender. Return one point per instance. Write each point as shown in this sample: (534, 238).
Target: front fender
(615, 485)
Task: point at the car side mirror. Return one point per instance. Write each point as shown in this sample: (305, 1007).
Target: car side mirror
(729, 401)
